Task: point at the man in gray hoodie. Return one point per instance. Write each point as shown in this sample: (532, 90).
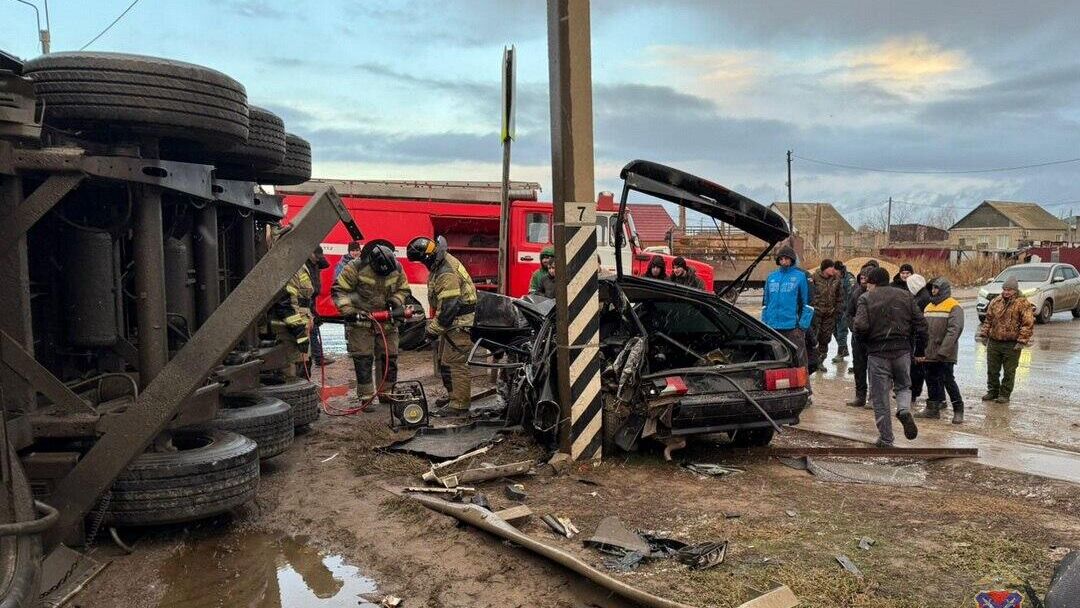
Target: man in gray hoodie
(944, 324)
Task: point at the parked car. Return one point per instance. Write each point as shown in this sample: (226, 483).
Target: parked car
(674, 361)
(1050, 287)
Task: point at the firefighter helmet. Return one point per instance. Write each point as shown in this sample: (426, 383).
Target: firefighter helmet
(380, 255)
(423, 250)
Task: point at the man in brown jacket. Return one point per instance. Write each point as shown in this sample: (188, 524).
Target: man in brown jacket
(1010, 321)
(826, 299)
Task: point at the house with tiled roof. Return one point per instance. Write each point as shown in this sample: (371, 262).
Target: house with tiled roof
(653, 223)
(1006, 226)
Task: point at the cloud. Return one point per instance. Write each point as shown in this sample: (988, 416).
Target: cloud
(257, 9)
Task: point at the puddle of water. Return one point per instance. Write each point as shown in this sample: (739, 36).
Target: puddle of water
(258, 570)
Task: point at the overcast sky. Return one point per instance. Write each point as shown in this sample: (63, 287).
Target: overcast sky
(409, 90)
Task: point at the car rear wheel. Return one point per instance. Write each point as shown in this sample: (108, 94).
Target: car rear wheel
(752, 438)
(1046, 312)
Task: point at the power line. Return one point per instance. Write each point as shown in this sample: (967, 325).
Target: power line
(109, 27)
(943, 172)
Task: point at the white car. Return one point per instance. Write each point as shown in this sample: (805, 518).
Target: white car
(1050, 287)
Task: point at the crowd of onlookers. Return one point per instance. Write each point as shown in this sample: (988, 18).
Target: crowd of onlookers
(904, 334)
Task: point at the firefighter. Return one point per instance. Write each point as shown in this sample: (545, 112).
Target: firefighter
(290, 320)
(452, 297)
(372, 282)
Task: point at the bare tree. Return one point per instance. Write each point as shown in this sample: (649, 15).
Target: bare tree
(940, 217)
(877, 218)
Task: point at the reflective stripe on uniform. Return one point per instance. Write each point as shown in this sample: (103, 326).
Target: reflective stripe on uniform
(449, 293)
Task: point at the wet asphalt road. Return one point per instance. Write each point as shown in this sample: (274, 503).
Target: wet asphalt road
(1045, 404)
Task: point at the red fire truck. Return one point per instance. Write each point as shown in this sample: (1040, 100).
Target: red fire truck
(467, 214)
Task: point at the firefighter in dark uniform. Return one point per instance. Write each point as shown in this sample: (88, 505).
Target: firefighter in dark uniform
(452, 298)
(289, 317)
(372, 282)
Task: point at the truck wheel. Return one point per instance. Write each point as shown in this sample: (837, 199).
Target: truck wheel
(295, 169)
(301, 395)
(211, 472)
(21, 555)
(265, 148)
(1045, 312)
(134, 94)
(268, 421)
(752, 438)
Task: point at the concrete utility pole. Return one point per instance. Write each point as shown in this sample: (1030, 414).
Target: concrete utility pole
(888, 223)
(790, 205)
(577, 304)
(507, 135)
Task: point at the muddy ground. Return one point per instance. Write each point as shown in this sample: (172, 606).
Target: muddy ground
(970, 528)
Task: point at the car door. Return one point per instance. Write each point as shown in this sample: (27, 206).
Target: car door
(1072, 279)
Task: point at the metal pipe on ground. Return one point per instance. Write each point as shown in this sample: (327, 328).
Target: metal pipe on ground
(208, 280)
(487, 521)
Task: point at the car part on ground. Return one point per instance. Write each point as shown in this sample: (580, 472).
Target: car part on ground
(294, 169)
(268, 421)
(140, 96)
(211, 472)
(302, 395)
(442, 443)
(487, 521)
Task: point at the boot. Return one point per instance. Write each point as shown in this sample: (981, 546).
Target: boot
(857, 402)
(908, 422)
(990, 397)
(839, 357)
(958, 413)
(1002, 399)
(933, 410)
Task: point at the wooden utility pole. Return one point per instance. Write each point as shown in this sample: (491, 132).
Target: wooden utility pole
(888, 223)
(507, 136)
(577, 326)
(790, 205)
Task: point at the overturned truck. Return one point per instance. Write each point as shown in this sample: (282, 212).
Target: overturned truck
(137, 387)
(675, 361)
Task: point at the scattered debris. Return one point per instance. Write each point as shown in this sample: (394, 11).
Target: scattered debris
(449, 441)
(556, 526)
(391, 601)
(781, 597)
(859, 472)
(628, 562)
(660, 546)
(848, 565)
(64, 573)
(732, 515)
(791, 513)
(588, 482)
(568, 526)
(432, 475)
(866, 542)
(483, 473)
(325, 460)
(703, 555)
(613, 538)
(709, 469)
(481, 500)
(456, 493)
(560, 462)
(514, 514)
(516, 491)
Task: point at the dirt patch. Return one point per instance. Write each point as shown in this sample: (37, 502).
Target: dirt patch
(968, 529)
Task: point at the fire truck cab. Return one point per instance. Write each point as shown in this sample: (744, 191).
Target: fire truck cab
(467, 214)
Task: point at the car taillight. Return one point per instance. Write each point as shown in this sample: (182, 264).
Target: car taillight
(782, 379)
(671, 385)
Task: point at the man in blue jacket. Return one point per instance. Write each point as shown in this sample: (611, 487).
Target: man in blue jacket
(786, 297)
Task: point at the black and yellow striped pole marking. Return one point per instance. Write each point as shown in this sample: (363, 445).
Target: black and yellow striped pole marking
(573, 191)
(580, 344)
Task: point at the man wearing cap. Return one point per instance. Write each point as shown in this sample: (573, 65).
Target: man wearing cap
(786, 300)
(547, 257)
(826, 301)
(682, 274)
(889, 322)
(1010, 321)
(900, 279)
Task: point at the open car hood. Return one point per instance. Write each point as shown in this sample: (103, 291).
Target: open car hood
(705, 197)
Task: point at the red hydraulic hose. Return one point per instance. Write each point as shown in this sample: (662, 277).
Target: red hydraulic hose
(336, 411)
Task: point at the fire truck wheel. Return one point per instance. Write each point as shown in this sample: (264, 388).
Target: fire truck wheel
(265, 148)
(295, 169)
(268, 421)
(133, 95)
(302, 395)
(210, 472)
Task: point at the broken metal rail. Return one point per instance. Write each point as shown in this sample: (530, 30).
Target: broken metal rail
(872, 451)
(133, 430)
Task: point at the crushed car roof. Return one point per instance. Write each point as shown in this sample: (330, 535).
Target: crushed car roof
(706, 197)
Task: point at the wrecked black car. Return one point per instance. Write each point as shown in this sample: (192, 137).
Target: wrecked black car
(675, 361)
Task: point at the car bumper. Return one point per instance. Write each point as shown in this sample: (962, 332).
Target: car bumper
(699, 414)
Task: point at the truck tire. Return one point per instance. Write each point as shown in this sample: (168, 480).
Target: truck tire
(302, 395)
(107, 93)
(212, 472)
(21, 555)
(268, 421)
(265, 148)
(752, 438)
(295, 169)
